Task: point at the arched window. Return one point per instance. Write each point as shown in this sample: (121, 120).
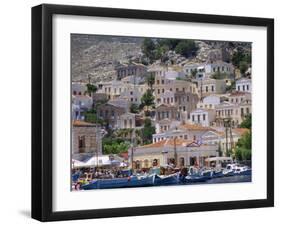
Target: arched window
(138, 165)
(146, 163)
(181, 161)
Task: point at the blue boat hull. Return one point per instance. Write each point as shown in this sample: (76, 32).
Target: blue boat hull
(217, 174)
(119, 183)
(194, 179)
(166, 180)
(229, 174)
(246, 172)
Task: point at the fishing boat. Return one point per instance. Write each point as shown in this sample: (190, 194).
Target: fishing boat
(229, 170)
(217, 174)
(132, 181)
(195, 178)
(242, 170)
(212, 173)
(237, 169)
(207, 173)
(166, 179)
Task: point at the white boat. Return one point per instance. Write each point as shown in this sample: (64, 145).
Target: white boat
(242, 170)
(236, 169)
(229, 170)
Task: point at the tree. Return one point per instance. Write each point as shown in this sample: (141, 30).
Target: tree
(147, 99)
(193, 73)
(186, 48)
(219, 75)
(240, 56)
(111, 146)
(148, 49)
(243, 67)
(243, 150)
(150, 79)
(134, 108)
(231, 87)
(91, 116)
(147, 131)
(161, 53)
(170, 43)
(247, 122)
(91, 88)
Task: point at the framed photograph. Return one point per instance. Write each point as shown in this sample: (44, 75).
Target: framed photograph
(146, 112)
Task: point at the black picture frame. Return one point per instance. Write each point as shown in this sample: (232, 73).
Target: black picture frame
(42, 111)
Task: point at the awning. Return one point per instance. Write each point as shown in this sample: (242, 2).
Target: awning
(215, 159)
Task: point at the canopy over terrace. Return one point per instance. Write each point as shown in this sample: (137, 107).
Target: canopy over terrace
(219, 160)
(95, 161)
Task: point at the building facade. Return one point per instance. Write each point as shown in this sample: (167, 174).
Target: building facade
(86, 138)
(185, 131)
(166, 112)
(203, 117)
(206, 70)
(110, 113)
(182, 153)
(209, 102)
(210, 86)
(244, 85)
(133, 69)
(127, 121)
(78, 88)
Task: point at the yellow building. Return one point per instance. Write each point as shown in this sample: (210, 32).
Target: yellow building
(178, 152)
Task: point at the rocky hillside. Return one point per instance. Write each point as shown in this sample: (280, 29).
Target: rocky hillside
(96, 56)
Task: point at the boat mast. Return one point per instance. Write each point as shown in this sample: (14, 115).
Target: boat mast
(132, 147)
(175, 151)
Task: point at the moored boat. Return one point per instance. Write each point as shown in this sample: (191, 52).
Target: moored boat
(229, 170)
(236, 169)
(166, 179)
(195, 178)
(217, 174)
(242, 170)
(132, 181)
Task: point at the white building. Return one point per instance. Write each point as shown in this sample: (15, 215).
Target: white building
(116, 88)
(244, 85)
(203, 117)
(165, 125)
(218, 137)
(208, 86)
(189, 153)
(185, 131)
(239, 97)
(132, 95)
(209, 102)
(78, 88)
(84, 101)
(205, 70)
(168, 97)
(126, 121)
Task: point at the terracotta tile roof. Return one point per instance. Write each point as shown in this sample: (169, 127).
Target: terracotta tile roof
(196, 127)
(238, 93)
(241, 131)
(81, 123)
(124, 155)
(168, 142)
